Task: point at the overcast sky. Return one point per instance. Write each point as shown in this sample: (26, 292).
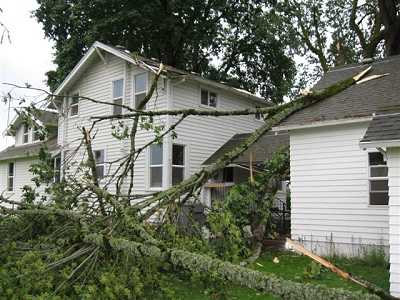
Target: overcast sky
(24, 60)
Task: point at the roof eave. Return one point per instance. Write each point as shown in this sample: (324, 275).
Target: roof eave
(321, 124)
(379, 144)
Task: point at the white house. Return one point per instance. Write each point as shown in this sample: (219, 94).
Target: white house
(345, 193)
(15, 160)
(111, 75)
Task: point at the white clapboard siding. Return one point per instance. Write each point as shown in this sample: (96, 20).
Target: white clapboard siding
(393, 161)
(22, 177)
(329, 190)
(207, 134)
(97, 85)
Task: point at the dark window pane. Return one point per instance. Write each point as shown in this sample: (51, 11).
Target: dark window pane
(10, 184)
(379, 185)
(204, 97)
(379, 171)
(177, 175)
(379, 198)
(156, 177)
(11, 169)
(178, 153)
(376, 158)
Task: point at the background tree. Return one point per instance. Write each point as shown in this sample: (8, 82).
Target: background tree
(222, 40)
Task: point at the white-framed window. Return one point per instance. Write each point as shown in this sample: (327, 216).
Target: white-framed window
(10, 176)
(156, 166)
(141, 86)
(178, 163)
(25, 134)
(74, 105)
(378, 179)
(99, 157)
(208, 98)
(34, 133)
(117, 97)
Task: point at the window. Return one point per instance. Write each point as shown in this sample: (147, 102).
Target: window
(118, 87)
(57, 169)
(25, 136)
(74, 105)
(34, 134)
(378, 179)
(258, 116)
(208, 98)
(156, 166)
(99, 159)
(178, 164)
(10, 177)
(140, 88)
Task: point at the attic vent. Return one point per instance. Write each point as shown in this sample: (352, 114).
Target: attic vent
(367, 60)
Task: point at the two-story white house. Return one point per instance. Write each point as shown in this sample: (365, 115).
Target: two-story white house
(15, 161)
(111, 75)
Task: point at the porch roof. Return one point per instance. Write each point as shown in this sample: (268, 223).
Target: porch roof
(261, 150)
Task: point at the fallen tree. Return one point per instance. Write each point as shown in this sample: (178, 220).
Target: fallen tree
(85, 239)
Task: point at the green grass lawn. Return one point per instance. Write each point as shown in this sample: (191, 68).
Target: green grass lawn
(293, 267)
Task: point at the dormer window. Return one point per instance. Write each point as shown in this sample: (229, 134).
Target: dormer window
(25, 135)
(118, 89)
(208, 98)
(141, 85)
(74, 105)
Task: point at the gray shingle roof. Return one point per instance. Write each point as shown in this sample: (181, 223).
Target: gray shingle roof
(385, 126)
(359, 100)
(261, 150)
(31, 150)
(46, 117)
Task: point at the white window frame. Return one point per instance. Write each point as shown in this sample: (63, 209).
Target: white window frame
(117, 110)
(10, 177)
(138, 95)
(100, 164)
(178, 165)
(74, 105)
(154, 163)
(25, 134)
(208, 91)
(373, 178)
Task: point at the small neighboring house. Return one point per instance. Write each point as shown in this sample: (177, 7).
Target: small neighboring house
(111, 75)
(345, 166)
(15, 160)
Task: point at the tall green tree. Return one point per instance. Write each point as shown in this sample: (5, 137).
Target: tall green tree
(334, 32)
(222, 40)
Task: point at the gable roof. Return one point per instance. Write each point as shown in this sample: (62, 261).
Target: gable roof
(261, 150)
(40, 116)
(99, 50)
(358, 101)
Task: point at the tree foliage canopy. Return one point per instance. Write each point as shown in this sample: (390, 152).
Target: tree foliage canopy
(223, 40)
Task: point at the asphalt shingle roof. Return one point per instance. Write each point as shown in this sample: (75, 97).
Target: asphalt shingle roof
(261, 150)
(27, 150)
(359, 100)
(385, 126)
